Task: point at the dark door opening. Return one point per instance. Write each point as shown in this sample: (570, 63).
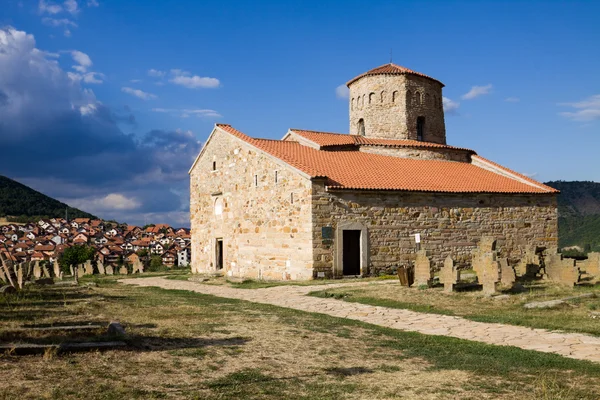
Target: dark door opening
(219, 253)
(351, 252)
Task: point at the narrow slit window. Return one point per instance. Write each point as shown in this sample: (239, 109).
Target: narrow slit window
(214, 165)
(292, 198)
(255, 180)
(420, 128)
(276, 177)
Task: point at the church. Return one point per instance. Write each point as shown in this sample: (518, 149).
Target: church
(327, 205)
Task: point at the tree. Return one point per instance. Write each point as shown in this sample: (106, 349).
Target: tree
(142, 253)
(75, 255)
(155, 263)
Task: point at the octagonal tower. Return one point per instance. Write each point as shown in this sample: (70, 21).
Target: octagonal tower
(393, 102)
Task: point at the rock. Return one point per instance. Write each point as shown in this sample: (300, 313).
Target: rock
(501, 297)
(115, 328)
(544, 304)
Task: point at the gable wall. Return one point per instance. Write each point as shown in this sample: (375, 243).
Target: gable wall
(449, 224)
(264, 234)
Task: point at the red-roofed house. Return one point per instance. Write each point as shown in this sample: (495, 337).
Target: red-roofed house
(322, 204)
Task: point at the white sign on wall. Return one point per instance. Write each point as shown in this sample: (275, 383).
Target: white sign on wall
(417, 238)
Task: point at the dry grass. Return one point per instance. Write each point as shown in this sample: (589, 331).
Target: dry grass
(185, 345)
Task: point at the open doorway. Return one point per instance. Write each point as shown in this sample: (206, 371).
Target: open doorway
(351, 256)
(219, 253)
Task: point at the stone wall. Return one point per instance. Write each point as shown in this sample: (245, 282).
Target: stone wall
(266, 233)
(424, 154)
(390, 104)
(449, 224)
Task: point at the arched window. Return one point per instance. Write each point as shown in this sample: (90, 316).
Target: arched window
(420, 128)
(394, 96)
(361, 127)
(408, 98)
(371, 97)
(218, 206)
(382, 96)
(418, 98)
(363, 100)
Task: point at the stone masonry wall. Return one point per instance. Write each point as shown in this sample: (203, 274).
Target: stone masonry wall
(390, 105)
(266, 234)
(449, 224)
(424, 154)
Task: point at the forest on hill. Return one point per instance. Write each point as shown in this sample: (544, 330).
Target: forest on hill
(20, 203)
(578, 214)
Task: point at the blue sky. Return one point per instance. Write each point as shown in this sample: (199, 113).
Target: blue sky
(104, 104)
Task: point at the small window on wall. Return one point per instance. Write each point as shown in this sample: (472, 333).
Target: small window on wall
(214, 165)
(292, 198)
(361, 127)
(420, 128)
(255, 180)
(276, 177)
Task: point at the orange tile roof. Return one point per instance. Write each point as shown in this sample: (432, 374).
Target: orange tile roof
(327, 139)
(391, 69)
(367, 171)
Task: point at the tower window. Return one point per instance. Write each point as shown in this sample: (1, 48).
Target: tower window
(276, 177)
(420, 128)
(214, 165)
(361, 127)
(255, 180)
(408, 98)
(418, 98)
(394, 96)
(382, 96)
(371, 97)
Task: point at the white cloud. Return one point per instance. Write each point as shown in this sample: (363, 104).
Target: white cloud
(450, 106)
(87, 77)
(50, 8)
(138, 93)
(82, 59)
(67, 32)
(135, 80)
(587, 110)
(342, 92)
(187, 112)
(156, 73)
(112, 201)
(92, 3)
(190, 81)
(512, 99)
(477, 91)
(71, 6)
(54, 22)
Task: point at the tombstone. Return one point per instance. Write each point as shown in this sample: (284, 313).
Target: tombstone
(2, 275)
(423, 273)
(101, 269)
(46, 272)
(530, 264)
(20, 269)
(562, 271)
(109, 270)
(490, 276)
(137, 267)
(56, 269)
(80, 271)
(71, 269)
(487, 244)
(123, 270)
(593, 265)
(507, 274)
(449, 275)
(7, 264)
(37, 271)
(89, 270)
(29, 269)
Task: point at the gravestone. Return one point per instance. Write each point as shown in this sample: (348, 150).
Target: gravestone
(137, 267)
(449, 274)
(109, 270)
(89, 270)
(490, 275)
(46, 272)
(2, 276)
(101, 269)
(56, 269)
(80, 271)
(123, 270)
(530, 263)
(423, 273)
(561, 270)
(71, 269)
(507, 274)
(37, 271)
(8, 273)
(20, 275)
(593, 264)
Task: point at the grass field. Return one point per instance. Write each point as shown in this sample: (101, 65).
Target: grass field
(185, 345)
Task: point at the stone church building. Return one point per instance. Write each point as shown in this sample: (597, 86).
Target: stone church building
(319, 204)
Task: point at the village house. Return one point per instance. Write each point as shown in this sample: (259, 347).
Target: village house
(319, 204)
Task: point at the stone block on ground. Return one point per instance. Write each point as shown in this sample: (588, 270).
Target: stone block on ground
(56, 269)
(593, 265)
(88, 268)
(80, 271)
(561, 270)
(423, 272)
(101, 269)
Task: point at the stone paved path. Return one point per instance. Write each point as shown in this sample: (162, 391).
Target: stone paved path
(573, 345)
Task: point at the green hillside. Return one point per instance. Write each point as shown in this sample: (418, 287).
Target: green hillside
(20, 203)
(578, 214)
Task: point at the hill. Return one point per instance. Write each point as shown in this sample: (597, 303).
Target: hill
(578, 213)
(21, 203)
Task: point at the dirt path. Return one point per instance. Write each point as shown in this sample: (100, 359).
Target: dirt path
(572, 345)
